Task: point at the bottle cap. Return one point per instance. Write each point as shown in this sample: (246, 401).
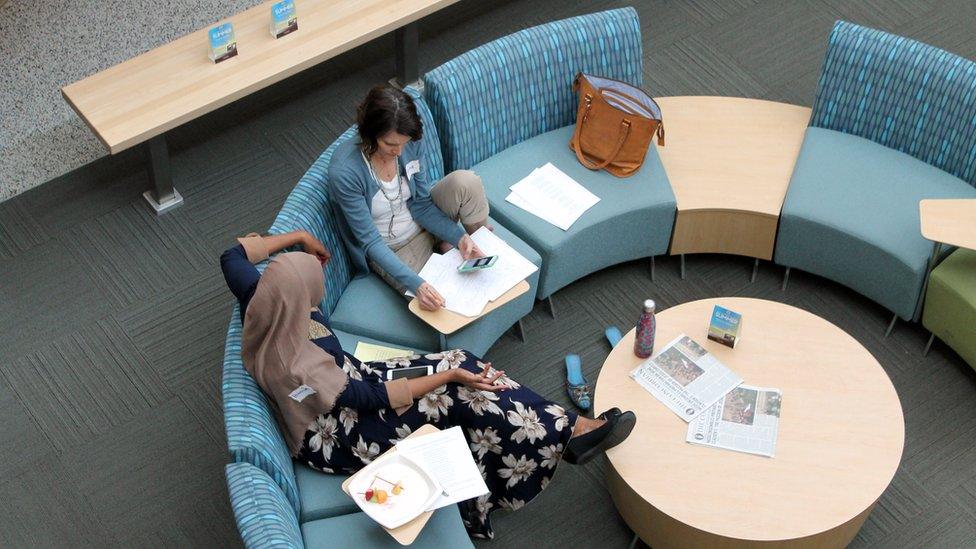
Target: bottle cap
(648, 305)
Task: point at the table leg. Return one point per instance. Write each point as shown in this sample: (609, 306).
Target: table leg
(162, 197)
(682, 266)
(755, 271)
(407, 43)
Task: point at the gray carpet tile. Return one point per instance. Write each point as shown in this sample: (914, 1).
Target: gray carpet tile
(45, 292)
(175, 331)
(84, 384)
(44, 507)
(112, 321)
(158, 479)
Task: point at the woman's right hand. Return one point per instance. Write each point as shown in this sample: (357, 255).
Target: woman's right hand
(480, 382)
(429, 298)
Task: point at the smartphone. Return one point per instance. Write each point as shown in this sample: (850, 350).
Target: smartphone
(409, 373)
(477, 264)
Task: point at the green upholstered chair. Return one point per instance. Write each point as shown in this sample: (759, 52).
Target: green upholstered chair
(950, 304)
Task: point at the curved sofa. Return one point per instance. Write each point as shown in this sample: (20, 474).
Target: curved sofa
(894, 122)
(507, 107)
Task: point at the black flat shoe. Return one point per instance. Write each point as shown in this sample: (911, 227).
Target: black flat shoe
(617, 428)
(609, 413)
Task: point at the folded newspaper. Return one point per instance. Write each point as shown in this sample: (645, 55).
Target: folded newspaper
(685, 377)
(746, 420)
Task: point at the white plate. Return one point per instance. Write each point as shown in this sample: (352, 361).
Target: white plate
(420, 490)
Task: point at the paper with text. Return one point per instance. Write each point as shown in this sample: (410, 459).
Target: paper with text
(368, 352)
(550, 194)
(745, 420)
(446, 457)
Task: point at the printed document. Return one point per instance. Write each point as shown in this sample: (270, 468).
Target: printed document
(368, 352)
(469, 293)
(446, 457)
(685, 377)
(745, 420)
(553, 196)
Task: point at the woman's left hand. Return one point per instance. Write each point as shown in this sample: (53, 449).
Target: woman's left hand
(482, 381)
(468, 249)
(312, 245)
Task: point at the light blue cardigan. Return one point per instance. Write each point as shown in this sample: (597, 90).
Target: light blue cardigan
(352, 190)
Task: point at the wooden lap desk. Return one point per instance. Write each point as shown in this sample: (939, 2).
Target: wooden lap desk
(729, 161)
(841, 437)
(447, 322)
(407, 533)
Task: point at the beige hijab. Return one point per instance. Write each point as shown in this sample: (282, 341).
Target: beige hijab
(301, 379)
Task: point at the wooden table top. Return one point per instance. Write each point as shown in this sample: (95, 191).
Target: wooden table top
(730, 153)
(950, 221)
(448, 322)
(175, 83)
(841, 429)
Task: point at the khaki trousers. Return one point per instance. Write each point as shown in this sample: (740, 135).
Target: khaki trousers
(461, 196)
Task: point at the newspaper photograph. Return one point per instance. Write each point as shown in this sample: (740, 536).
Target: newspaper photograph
(746, 420)
(685, 377)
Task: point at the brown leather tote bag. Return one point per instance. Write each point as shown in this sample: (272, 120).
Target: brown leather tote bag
(615, 123)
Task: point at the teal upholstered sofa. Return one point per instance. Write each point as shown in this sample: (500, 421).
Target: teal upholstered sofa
(266, 518)
(507, 107)
(894, 121)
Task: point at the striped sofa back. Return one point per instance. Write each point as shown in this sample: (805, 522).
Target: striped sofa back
(264, 517)
(307, 208)
(519, 86)
(253, 435)
(900, 93)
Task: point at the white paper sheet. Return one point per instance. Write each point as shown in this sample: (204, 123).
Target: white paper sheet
(550, 194)
(446, 457)
(461, 294)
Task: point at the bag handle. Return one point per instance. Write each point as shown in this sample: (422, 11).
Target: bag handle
(621, 137)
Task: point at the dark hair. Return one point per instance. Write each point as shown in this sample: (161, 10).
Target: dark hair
(387, 108)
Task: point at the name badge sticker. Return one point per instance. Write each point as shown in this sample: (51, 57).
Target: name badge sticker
(412, 168)
(301, 393)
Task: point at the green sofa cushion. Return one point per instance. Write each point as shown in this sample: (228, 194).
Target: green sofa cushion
(950, 303)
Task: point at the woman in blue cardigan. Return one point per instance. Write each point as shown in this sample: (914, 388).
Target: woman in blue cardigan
(391, 216)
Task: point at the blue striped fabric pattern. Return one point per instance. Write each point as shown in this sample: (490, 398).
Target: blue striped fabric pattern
(519, 86)
(900, 93)
(264, 517)
(307, 208)
(253, 435)
(430, 145)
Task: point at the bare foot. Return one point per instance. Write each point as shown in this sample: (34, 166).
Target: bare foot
(585, 425)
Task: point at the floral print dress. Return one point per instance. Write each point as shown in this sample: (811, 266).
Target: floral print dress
(516, 436)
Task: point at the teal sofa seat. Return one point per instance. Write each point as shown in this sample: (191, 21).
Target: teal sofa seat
(851, 215)
(265, 518)
(507, 107)
(320, 494)
(369, 306)
(633, 218)
(893, 122)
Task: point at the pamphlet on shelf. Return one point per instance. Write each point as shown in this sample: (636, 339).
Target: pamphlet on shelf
(223, 42)
(284, 19)
(553, 196)
(724, 326)
(368, 352)
(685, 377)
(446, 456)
(745, 420)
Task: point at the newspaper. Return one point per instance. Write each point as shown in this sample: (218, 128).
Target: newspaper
(746, 420)
(685, 377)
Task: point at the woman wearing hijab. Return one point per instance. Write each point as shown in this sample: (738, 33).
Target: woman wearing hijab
(338, 413)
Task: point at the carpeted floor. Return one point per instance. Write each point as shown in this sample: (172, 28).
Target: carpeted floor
(112, 320)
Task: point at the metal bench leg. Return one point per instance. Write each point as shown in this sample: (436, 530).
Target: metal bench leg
(891, 325)
(928, 345)
(682, 266)
(162, 197)
(520, 331)
(755, 271)
(551, 307)
(786, 278)
(407, 43)
(652, 268)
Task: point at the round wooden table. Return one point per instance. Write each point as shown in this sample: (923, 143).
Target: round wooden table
(841, 434)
